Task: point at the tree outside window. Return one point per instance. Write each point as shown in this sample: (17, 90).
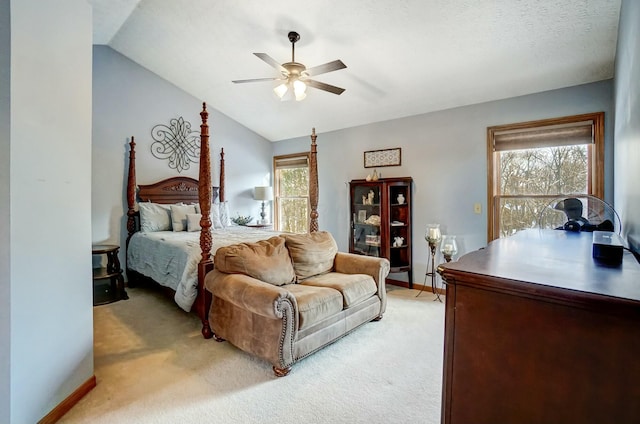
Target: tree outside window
(532, 163)
(292, 193)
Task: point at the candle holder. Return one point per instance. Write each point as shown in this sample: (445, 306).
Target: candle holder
(448, 247)
(433, 236)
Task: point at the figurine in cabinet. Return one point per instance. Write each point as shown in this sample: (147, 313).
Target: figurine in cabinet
(398, 241)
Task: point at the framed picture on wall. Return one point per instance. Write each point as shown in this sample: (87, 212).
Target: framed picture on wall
(385, 157)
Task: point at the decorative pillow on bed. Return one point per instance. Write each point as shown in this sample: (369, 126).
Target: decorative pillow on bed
(225, 218)
(154, 217)
(193, 222)
(265, 260)
(215, 215)
(179, 216)
(193, 219)
(312, 253)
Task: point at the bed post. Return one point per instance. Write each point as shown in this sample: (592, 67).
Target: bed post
(313, 183)
(204, 198)
(131, 191)
(204, 187)
(221, 183)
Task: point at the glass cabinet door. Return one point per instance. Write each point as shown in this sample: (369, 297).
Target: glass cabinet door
(399, 225)
(365, 219)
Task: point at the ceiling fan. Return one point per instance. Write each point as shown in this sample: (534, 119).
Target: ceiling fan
(295, 76)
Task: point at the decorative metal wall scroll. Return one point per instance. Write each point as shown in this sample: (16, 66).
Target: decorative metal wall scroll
(176, 143)
(386, 157)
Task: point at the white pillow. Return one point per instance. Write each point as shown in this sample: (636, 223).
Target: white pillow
(193, 222)
(179, 216)
(215, 216)
(225, 218)
(154, 217)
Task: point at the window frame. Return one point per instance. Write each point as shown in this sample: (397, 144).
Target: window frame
(276, 185)
(595, 185)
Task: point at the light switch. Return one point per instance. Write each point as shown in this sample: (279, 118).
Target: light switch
(477, 208)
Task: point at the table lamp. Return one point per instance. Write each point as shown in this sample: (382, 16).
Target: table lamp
(264, 194)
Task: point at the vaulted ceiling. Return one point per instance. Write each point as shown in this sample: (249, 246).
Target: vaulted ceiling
(403, 57)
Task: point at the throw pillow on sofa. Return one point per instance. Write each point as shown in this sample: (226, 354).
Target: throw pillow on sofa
(266, 260)
(312, 253)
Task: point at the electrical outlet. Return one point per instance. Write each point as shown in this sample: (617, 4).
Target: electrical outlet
(477, 208)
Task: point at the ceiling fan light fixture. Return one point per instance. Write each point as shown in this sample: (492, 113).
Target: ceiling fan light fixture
(280, 90)
(285, 92)
(299, 89)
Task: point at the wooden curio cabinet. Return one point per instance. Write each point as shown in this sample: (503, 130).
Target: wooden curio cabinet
(381, 221)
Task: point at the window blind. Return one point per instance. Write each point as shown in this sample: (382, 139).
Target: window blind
(568, 134)
(292, 162)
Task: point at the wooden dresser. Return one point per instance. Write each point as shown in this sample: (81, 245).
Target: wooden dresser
(537, 332)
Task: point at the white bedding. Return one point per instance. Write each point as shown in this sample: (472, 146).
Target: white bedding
(171, 258)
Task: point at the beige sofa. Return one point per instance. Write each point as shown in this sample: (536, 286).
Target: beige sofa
(284, 298)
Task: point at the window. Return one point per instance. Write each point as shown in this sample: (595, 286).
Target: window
(292, 192)
(532, 163)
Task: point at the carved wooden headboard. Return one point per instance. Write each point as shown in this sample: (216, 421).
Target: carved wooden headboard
(172, 190)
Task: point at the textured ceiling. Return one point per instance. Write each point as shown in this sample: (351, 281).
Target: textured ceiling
(403, 57)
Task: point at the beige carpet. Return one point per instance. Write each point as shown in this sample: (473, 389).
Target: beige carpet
(153, 366)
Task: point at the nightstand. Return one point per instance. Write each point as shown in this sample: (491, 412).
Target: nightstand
(108, 282)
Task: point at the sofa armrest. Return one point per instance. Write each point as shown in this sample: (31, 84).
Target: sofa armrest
(350, 263)
(250, 294)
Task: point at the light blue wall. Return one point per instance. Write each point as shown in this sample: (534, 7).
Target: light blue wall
(129, 100)
(445, 153)
(627, 122)
(47, 169)
(51, 323)
(5, 221)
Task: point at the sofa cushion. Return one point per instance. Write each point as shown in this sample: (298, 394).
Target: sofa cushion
(266, 260)
(354, 287)
(314, 303)
(312, 253)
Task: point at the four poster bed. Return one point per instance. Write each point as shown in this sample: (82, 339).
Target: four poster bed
(179, 260)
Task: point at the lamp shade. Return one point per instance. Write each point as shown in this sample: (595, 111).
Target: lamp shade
(290, 90)
(281, 90)
(263, 193)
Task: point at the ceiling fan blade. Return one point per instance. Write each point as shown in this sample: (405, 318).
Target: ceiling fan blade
(255, 80)
(322, 86)
(327, 67)
(271, 61)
